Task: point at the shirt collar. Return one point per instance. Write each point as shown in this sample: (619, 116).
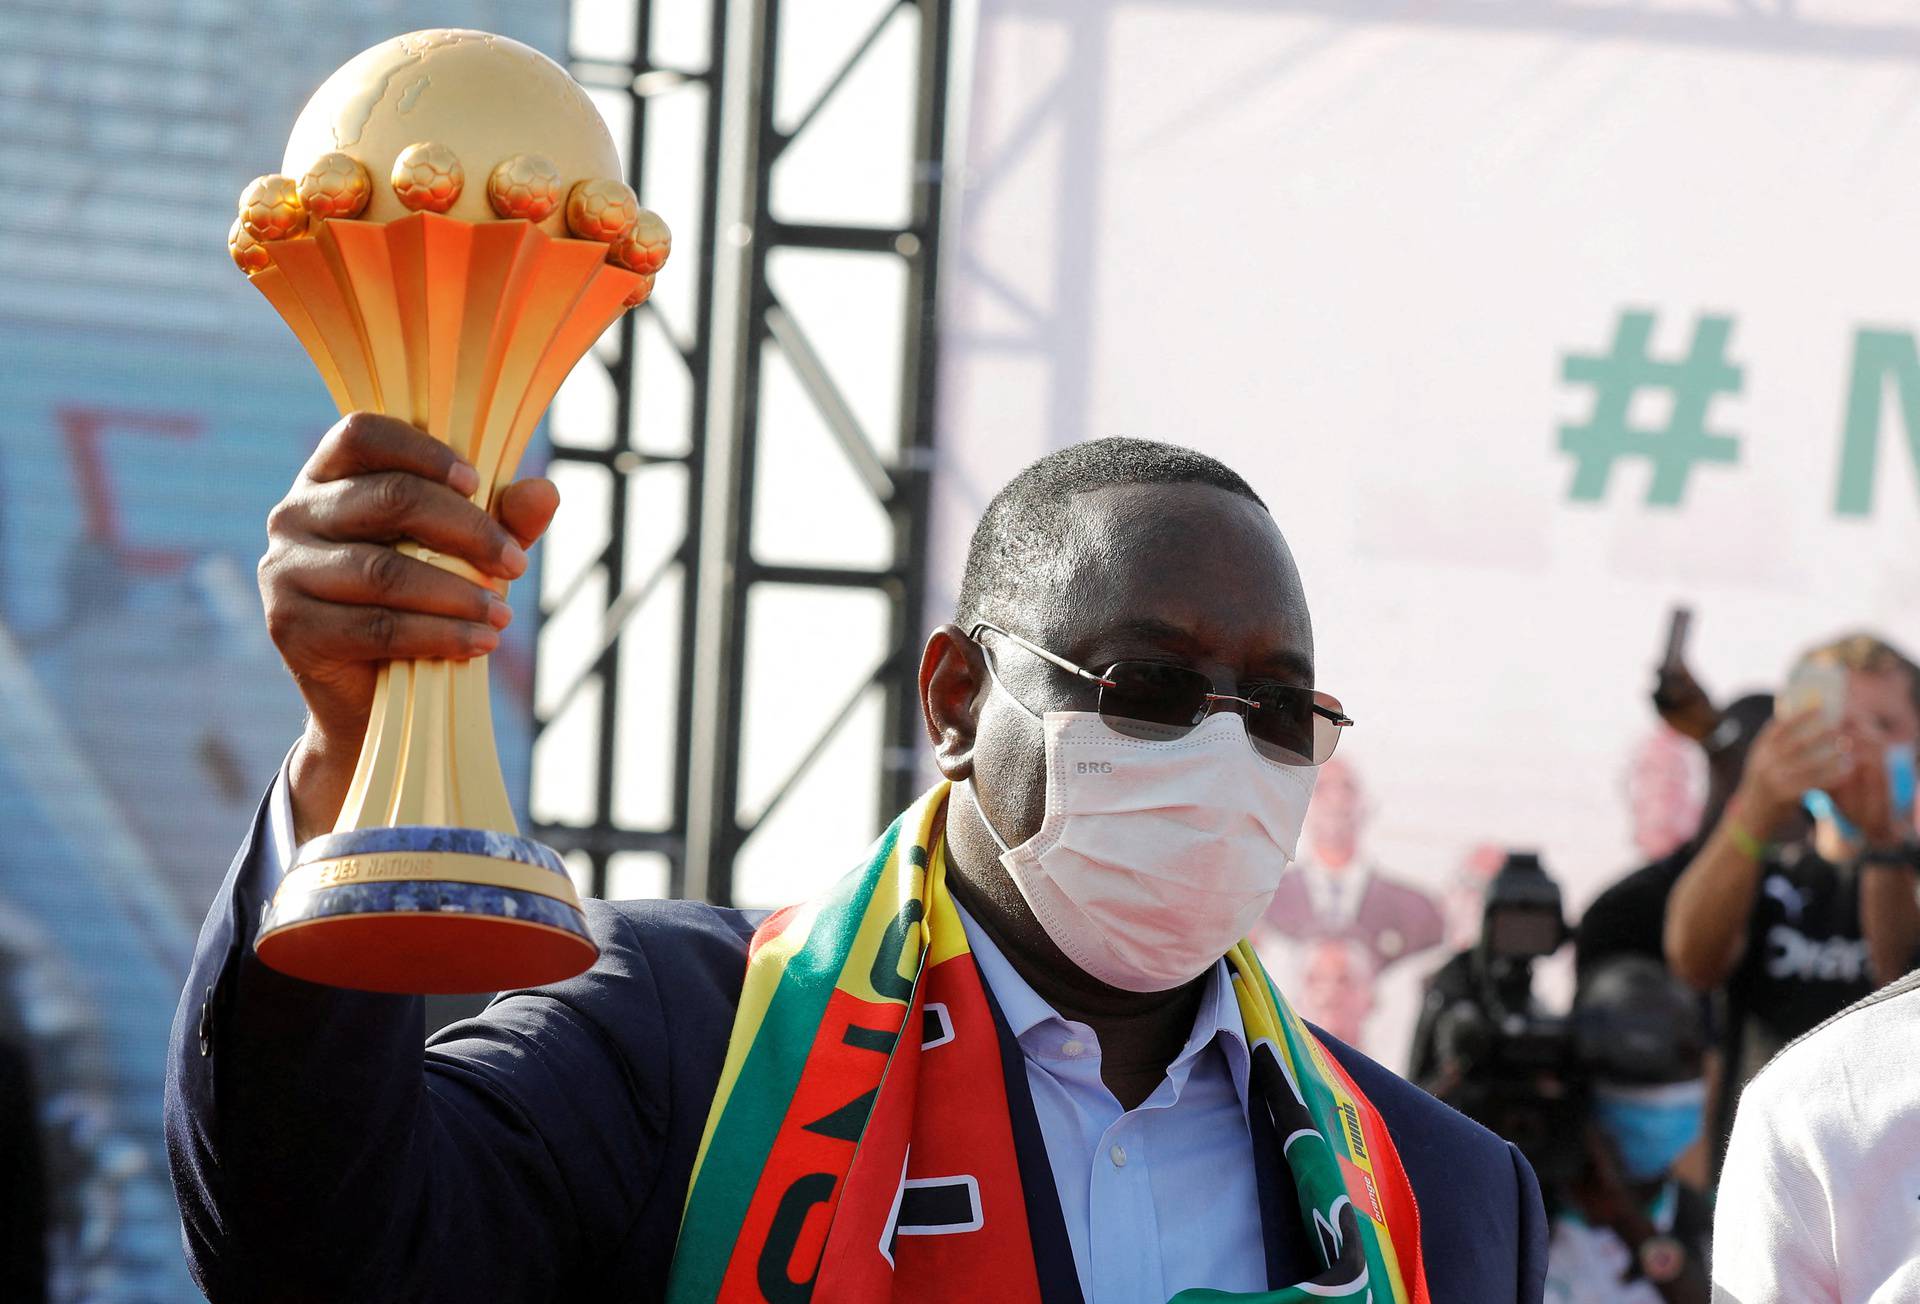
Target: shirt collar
(1336, 894)
(1036, 1025)
(1023, 1007)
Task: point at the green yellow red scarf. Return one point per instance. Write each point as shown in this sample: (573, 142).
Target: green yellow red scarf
(841, 1156)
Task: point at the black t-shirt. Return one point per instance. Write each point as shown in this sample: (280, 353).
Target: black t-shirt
(1806, 959)
(1630, 917)
(1693, 1222)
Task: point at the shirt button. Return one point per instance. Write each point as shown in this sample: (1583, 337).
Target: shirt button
(1073, 1049)
(1119, 1156)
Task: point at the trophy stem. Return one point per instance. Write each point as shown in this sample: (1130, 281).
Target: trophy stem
(429, 756)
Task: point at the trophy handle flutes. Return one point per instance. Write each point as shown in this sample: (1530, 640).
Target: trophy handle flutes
(466, 329)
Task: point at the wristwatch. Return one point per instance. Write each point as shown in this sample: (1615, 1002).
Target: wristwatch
(1662, 1259)
(1902, 855)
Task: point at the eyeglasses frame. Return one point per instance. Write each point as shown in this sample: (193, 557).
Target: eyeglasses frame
(1340, 719)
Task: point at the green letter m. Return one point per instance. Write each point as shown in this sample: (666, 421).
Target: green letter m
(1877, 355)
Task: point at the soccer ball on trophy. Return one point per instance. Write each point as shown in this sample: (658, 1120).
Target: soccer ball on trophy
(335, 186)
(428, 177)
(526, 185)
(270, 209)
(460, 309)
(645, 246)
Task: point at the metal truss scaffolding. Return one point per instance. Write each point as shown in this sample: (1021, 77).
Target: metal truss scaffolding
(606, 452)
(647, 649)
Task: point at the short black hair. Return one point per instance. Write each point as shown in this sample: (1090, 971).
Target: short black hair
(1023, 531)
(1638, 1023)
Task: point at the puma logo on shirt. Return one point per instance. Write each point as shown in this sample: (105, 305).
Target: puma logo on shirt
(1792, 954)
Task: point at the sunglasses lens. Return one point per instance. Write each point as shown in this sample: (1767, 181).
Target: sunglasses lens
(1152, 700)
(1156, 701)
(1286, 727)
(1282, 727)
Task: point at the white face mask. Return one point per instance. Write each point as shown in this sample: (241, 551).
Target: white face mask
(1155, 857)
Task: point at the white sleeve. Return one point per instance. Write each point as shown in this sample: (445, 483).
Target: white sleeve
(1773, 1224)
(280, 821)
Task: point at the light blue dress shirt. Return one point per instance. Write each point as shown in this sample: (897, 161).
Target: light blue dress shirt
(1158, 1198)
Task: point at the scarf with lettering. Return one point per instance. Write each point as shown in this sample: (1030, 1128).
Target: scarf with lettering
(860, 1147)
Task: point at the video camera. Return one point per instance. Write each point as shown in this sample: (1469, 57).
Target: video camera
(1487, 1048)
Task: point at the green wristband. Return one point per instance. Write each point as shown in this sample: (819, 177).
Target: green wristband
(1750, 847)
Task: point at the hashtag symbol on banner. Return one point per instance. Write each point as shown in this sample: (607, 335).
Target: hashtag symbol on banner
(1673, 449)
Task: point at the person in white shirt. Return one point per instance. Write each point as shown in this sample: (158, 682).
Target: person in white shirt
(1820, 1195)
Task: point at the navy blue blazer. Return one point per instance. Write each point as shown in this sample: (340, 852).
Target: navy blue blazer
(541, 1152)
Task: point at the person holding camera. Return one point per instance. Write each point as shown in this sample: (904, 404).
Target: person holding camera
(1625, 1230)
(1794, 926)
(1602, 1101)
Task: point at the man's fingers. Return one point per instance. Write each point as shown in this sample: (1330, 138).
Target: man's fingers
(1808, 740)
(364, 442)
(1808, 729)
(1824, 765)
(389, 506)
(1867, 792)
(332, 631)
(1829, 762)
(526, 508)
(375, 575)
(1826, 776)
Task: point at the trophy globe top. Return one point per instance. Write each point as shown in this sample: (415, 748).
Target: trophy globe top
(483, 99)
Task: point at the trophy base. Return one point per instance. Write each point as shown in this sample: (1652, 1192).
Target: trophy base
(422, 910)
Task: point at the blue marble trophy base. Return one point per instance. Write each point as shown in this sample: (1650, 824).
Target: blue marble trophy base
(426, 910)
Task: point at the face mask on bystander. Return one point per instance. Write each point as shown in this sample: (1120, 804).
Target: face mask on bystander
(1650, 1127)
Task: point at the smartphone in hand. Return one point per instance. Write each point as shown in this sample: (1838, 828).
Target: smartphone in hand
(1817, 686)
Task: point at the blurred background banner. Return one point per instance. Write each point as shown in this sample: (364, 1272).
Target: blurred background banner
(1529, 320)
(152, 408)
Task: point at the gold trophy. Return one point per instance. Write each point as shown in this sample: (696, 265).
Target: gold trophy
(447, 236)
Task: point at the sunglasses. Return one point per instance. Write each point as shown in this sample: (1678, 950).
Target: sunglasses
(1158, 701)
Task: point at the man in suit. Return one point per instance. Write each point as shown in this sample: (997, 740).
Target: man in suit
(1335, 891)
(544, 1151)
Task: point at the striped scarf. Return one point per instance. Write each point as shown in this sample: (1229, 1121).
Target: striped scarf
(861, 1134)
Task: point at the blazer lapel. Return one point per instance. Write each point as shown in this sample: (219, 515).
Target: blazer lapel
(1046, 1228)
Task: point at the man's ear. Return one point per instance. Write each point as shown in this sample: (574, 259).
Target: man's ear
(953, 678)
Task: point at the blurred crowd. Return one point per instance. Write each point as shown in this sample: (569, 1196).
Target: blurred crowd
(1783, 897)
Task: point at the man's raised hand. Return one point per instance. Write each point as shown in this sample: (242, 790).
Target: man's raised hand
(1791, 754)
(340, 598)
